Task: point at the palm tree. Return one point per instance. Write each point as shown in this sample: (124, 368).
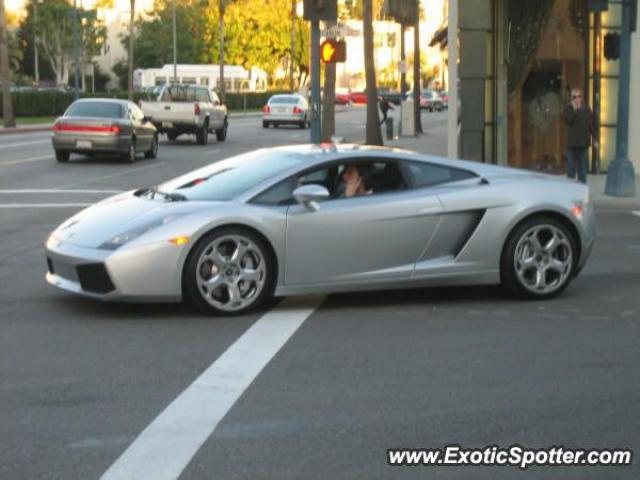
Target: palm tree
(373, 135)
(417, 82)
(132, 15)
(5, 72)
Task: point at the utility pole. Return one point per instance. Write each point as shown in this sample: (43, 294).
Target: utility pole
(293, 46)
(417, 81)
(36, 63)
(175, 46)
(403, 63)
(221, 49)
(315, 81)
(76, 52)
(621, 179)
(452, 60)
(5, 73)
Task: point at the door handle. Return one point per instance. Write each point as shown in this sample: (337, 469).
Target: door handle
(167, 107)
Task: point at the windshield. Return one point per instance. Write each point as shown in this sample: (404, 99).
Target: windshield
(95, 109)
(287, 100)
(229, 178)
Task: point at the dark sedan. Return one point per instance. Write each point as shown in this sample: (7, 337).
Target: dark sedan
(104, 126)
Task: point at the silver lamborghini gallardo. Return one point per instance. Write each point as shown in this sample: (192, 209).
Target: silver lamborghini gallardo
(326, 218)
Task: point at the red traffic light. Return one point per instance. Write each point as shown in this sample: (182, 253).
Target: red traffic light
(332, 51)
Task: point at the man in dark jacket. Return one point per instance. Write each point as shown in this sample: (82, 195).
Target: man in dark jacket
(385, 106)
(579, 121)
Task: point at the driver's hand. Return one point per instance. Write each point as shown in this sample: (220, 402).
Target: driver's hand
(352, 186)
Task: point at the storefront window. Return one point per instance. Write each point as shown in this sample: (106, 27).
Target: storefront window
(547, 58)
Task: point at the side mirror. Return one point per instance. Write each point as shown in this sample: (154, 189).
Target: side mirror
(309, 195)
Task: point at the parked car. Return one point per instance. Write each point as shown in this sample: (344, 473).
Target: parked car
(342, 97)
(391, 96)
(188, 109)
(290, 109)
(444, 96)
(359, 97)
(104, 126)
(274, 221)
(431, 101)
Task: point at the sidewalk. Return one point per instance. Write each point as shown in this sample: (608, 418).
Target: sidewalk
(434, 142)
(35, 127)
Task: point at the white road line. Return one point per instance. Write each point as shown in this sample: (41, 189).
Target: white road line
(167, 445)
(23, 144)
(636, 213)
(51, 190)
(44, 205)
(211, 152)
(26, 160)
(126, 171)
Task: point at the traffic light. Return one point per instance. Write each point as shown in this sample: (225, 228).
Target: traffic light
(320, 9)
(612, 46)
(333, 51)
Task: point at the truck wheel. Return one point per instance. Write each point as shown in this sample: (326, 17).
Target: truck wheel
(62, 156)
(172, 136)
(202, 135)
(221, 134)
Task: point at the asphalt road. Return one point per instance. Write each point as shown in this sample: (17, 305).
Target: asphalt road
(347, 377)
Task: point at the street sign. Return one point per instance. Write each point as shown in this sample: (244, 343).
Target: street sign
(339, 30)
(333, 51)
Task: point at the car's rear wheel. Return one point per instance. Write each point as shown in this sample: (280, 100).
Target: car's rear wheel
(130, 156)
(539, 258)
(303, 124)
(62, 156)
(153, 151)
(221, 134)
(229, 271)
(202, 134)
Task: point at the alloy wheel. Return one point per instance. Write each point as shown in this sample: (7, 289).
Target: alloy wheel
(231, 273)
(543, 259)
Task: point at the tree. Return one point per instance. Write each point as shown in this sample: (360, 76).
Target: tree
(5, 73)
(54, 32)
(373, 133)
(132, 18)
(417, 82)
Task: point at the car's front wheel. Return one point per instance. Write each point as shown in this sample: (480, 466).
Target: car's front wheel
(539, 258)
(229, 271)
(153, 150)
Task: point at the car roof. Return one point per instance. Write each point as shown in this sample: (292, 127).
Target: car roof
(118, 101)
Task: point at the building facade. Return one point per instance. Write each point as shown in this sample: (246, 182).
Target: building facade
(519, 61)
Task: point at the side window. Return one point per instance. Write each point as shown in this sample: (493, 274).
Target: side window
(428, 174)
(202, 95)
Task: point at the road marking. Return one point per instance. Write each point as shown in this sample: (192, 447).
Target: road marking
(106, 177)
(23, 144)
(167, 445)
(211, 152)
(50, 190)
(26, 160)
(636, 213)
(44, 205)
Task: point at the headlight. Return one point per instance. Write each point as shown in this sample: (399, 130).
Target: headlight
(117, 241)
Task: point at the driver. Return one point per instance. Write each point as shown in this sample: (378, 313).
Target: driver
(355, 181)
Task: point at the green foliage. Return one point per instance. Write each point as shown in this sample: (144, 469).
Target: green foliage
(257, 34)
(54, 103)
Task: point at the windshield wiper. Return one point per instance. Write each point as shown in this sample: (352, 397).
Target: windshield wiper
(153, 191)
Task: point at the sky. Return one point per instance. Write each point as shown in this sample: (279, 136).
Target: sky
(123, 5)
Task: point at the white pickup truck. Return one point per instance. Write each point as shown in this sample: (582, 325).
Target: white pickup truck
(188, 109)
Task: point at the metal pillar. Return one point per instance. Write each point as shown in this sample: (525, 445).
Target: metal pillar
(175, 46)
(621, 179)
(452, 41)
(76, 52)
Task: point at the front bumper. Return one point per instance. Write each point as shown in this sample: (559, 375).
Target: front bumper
(146, 272)
(99, 143)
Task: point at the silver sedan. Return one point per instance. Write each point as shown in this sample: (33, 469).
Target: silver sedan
(104, 126)
(286, 110)
(294, 220)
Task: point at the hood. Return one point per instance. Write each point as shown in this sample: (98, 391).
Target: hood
(121, 213)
